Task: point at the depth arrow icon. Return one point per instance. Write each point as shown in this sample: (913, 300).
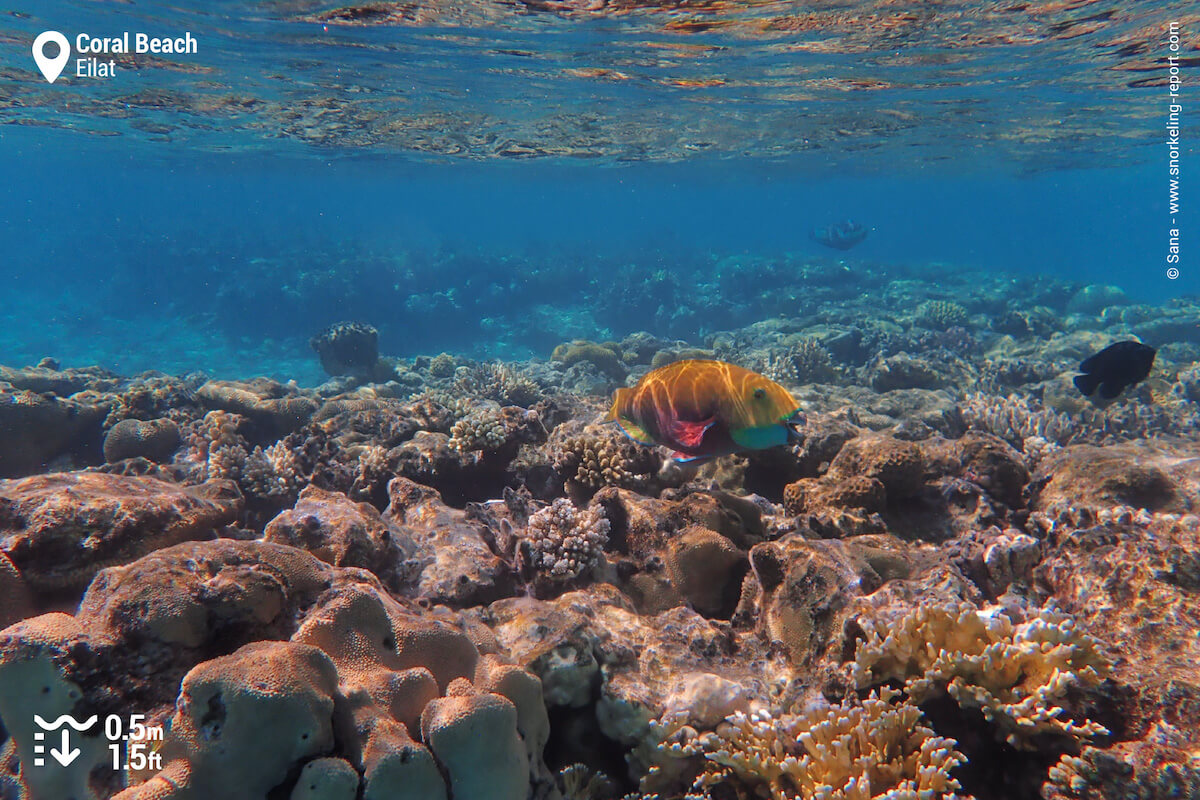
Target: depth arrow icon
(67, 754)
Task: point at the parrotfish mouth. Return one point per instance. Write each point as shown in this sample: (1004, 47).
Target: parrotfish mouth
(793, 424)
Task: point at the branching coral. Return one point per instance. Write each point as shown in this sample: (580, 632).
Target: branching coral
(877, 749)
(482, 429)
(1018, 418)
(602, 456)
(565, 542)
(1016, 674)
(442, 366)
(803, 362)
(499, 382)
(941, 314)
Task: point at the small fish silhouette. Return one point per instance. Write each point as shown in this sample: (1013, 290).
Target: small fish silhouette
(840, 236)
(1115, 368)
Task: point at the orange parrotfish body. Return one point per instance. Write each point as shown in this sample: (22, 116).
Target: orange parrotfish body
(703, 409)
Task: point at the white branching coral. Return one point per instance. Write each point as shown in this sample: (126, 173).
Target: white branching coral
(564, 541)
(1016, 674)
(875, 750)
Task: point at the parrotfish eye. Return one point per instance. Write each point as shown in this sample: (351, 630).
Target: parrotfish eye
(760, 393)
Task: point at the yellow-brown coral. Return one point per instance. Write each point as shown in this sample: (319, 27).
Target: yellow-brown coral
(605, 357)
(1016, 674)
(876, 750)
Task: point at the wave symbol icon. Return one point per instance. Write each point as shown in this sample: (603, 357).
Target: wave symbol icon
(65, 754)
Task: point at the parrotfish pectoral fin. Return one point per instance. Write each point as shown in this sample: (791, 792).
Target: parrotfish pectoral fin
(760, 438)
(684, 458)
(634, 431)
(690, 434)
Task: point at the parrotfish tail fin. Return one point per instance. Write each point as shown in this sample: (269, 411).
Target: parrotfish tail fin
(613, 411)
(1086, 384)
(684, 458)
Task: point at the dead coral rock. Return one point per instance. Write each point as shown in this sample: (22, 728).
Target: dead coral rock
(276, 410)
(37, 429)
(48, 378)
(645, 659)
(643, 526)
(431, 458)
(804, 588)
(15, 600)
(155, 440)
(1156, 475)
(1133, 585)
(459, 567)
(982, 459)
(897, 464)
(997, 560)
(196, 593)
(903, 371)
(343, 533)
(823, 436)
(60, 529)
(706, 568)
(809, 495)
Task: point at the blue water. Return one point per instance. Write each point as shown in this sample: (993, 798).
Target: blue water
(188, 240)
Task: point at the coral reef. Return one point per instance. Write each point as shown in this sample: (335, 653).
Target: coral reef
(437, 576)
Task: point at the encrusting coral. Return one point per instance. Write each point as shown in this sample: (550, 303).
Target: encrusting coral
(1016, 674)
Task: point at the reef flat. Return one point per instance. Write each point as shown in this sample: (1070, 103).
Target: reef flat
(440, 577)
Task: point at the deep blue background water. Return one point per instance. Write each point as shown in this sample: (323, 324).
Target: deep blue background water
(117, 249)
(83, 219)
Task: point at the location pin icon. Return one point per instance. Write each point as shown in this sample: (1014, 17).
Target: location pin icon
(51, 67)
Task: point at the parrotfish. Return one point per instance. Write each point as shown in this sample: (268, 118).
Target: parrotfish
(703, 409)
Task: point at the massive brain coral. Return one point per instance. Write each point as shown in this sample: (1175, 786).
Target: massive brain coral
(336, 684)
